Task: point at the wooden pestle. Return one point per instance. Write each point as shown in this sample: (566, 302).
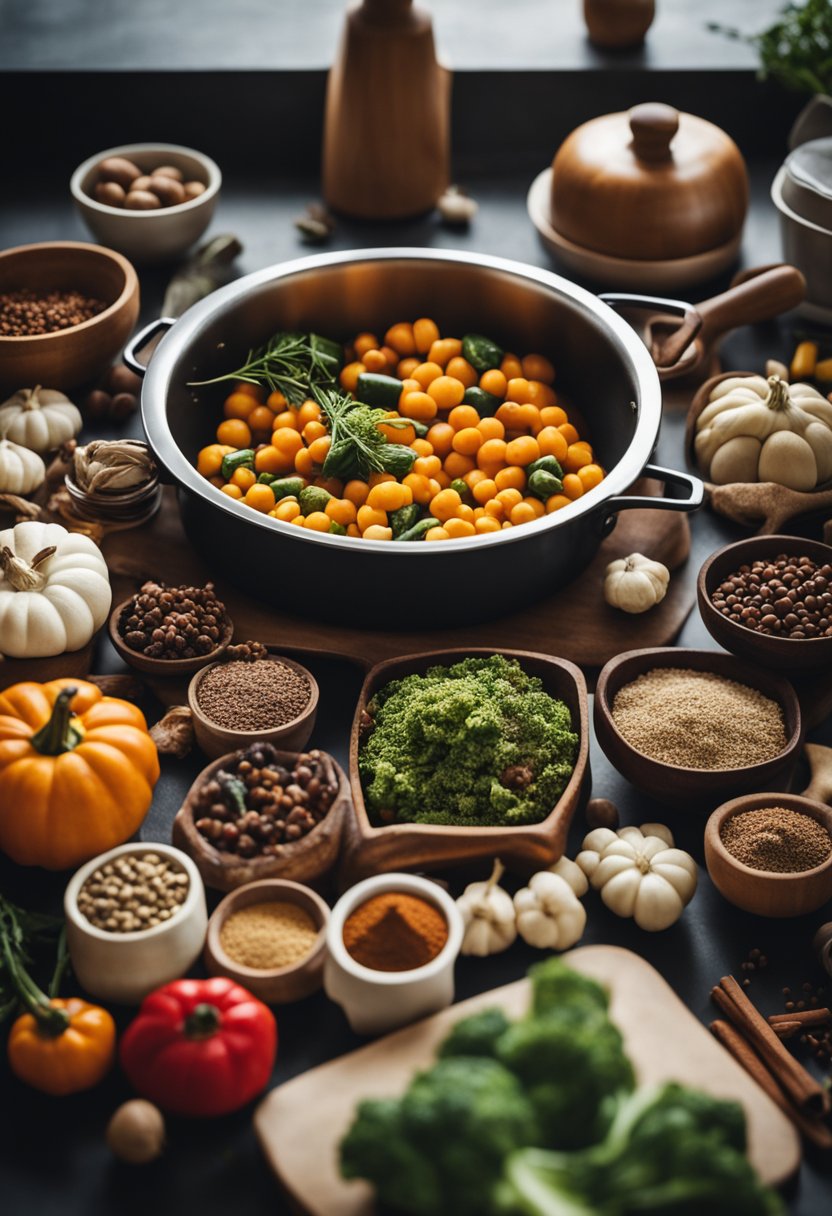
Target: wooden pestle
(386, 147)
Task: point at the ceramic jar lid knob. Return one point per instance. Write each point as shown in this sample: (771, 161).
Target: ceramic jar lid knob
(653, 125)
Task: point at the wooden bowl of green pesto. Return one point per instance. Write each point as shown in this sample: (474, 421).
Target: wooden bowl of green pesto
(372, 847)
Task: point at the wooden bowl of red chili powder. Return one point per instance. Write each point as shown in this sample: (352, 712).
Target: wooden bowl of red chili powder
(392, 943)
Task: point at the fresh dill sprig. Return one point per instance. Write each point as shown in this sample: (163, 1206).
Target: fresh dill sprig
(289, 363)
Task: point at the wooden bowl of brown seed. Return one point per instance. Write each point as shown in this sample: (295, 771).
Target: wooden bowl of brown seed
(694, 727)
(771, 854)
(773, 612)
(148, 598)
(66, 310)
(244, 701)
(264, 813)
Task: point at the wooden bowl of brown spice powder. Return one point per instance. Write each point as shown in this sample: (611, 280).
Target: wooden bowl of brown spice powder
(694, 727)
(771, 854)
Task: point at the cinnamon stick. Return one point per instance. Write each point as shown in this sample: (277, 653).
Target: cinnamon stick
(813, 1130)
(801, 1017)
(806, 1093)
(786, 1030)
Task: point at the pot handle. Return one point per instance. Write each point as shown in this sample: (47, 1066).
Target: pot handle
(692, 501)
(677, 343)
(130, 354)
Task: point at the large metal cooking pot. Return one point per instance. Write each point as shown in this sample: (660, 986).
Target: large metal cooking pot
(604, 374)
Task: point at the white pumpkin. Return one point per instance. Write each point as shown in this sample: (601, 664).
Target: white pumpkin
(635, 583)
(21, 471)
(488, 914)
(40, 419)
(54, 590)
(549, 913)
(757, 429)
(640, 873)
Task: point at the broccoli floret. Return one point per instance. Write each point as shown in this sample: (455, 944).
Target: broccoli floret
(377, 1148)
(477, 1035)
(439, 1150)
(573, 1068)
(672, 1151)
(443, 740)
(555, 985)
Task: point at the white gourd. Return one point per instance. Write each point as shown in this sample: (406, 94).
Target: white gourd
(549, 913)
(40, 419)
(21, 471)
(54, 590)
(635, 583)
(640, 873)
(488, 914)
(757, 429)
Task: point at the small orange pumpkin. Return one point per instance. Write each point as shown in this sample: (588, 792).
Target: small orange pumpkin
(77, 771)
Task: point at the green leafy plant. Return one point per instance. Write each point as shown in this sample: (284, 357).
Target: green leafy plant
(358, 447)
(797, 49)
(289, 363)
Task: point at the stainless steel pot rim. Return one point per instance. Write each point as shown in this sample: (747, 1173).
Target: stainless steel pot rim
(187, 330)
(784, 208)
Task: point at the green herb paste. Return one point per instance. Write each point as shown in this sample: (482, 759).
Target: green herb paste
(476, 744)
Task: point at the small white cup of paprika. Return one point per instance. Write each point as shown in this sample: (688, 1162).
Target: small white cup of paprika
(377, 999)
(126, 966)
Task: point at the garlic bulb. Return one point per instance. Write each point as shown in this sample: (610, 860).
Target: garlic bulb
(640, 873)
(549, 913)
(572, 873)
(635, 583)
(112, 466)
(456, 207)
(488, 913)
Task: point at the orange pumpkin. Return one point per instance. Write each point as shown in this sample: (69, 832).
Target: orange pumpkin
(77, 771)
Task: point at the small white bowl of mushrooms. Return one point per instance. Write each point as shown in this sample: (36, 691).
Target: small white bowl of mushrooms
(148, 201)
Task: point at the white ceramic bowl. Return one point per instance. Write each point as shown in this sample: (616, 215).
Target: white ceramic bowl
(125, 967)
(149, 236)
(377, 1001)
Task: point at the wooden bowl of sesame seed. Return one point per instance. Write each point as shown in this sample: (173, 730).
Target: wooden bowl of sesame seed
(277, 920)
(776, 840)
(681, 752)
(66, 311)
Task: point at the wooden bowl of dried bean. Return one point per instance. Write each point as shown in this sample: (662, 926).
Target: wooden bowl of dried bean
(270, 936)
(769, 599)
(771, 854)
(66, 310)
(268, 699)
(189, 621)
(264, 813)
(694, 727)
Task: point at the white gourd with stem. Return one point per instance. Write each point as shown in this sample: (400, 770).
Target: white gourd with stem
(54, 590)
(40, 419)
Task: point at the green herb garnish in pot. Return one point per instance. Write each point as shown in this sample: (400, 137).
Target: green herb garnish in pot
(290, 363)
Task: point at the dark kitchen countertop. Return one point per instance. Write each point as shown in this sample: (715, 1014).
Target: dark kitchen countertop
(54, 1162)
(279, 34)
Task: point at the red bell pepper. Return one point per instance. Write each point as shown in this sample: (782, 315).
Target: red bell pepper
(200, 1047)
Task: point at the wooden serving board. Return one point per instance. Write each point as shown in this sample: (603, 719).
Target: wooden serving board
(301, 1123)
(575, 623)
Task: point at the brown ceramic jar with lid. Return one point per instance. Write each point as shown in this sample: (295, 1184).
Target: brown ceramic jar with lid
(649, 184)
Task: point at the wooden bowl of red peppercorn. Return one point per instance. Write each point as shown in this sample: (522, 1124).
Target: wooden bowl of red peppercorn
(776, 650)
(306, 859)
(84, 277)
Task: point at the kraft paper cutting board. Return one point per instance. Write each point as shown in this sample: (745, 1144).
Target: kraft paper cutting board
(300, 1124)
